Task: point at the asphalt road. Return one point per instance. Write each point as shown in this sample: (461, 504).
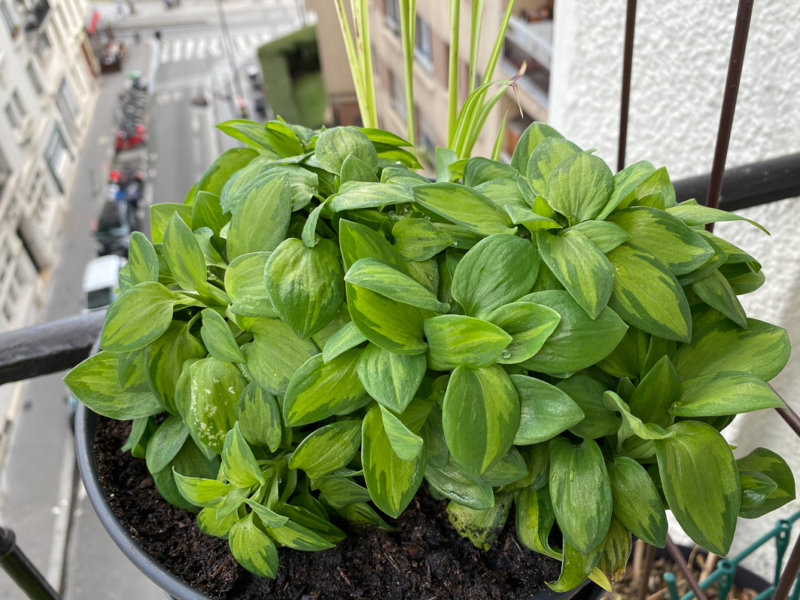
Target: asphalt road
(41, 497)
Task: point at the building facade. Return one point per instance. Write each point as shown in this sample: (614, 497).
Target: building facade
(48, 90)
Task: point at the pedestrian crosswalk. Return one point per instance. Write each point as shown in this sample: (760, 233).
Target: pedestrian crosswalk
(174, 50)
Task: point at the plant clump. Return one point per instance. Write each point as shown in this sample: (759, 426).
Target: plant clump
(319, 330)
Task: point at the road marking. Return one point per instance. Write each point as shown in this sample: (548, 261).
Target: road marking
(177, 46)
(201, 48)
(189, 48)
(214, 48)
(165, 46)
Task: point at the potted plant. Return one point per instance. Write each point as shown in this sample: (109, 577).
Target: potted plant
(319, 333)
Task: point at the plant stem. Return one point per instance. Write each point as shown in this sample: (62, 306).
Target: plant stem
(408, 11)
(498, 45)
(352, 56)
(362, 37)
(452, 106)
(498, 142)
(474, 42)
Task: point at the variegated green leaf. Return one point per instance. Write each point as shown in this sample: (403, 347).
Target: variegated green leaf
(419, 239)
(645, 431)
(161, 213)
(165, 443)
(210, 524)
(218, 338)
(244, 283)
(694, 215)
(267, 516)
(625, 183)
(480, 416)
(456, 340)
(480, 170)
(616, 550)
(766, 464)
(587, 392)
(658, 390)
(529, 326)
(297, 537)
(354, 171)
(715, 291)
(497, 270)
(545, 157)
(545, 411)
(481, 527)
(463, 206)
(391, 481)
(165, 357)
(531, 220)
(696, 455)
(510, 469)
(328, 448)
(184, 256)
(318, 390)
(647, 295)
(673, 243)
(359, 241)
(392, 379)
(603, 234)
(305, 285)
(655, 191)
(534, 519)
(580, 492)
(405, 443)
(724, 393)
(580, 266)
(452, 482)
(207, 213)
(142, 261)
(137, 317)
(376, 276)
(239, 465)
(370, 195)
(275, 354)
(259, 417)
(346, 338)
(637, 502)
(319, 525)
(337, 492)
(252, 548)
(528, 141)
(579, 187)
(201, 491)
(336, 144)
(261, 219)
(578, 341)
(762, 349)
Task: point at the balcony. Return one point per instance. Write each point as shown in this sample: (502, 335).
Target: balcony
(530, 43)
(34, 14)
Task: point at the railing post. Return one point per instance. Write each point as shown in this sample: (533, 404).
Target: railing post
(21, 570)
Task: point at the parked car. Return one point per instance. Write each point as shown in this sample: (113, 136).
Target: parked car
(100, 280)
(113, 229)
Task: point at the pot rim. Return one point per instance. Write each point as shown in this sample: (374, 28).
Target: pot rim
(85, 423)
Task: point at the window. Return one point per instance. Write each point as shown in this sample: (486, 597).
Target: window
(33, 75)
(15, 110)
(57, 157)
(9, 20)
(68, 108)
(42, 45)
(396, 91)
(393, 15)
(5, 172)
(422, 44)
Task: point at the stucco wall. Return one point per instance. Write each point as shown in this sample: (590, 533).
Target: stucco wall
(680, 62)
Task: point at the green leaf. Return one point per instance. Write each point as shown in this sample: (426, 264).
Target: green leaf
(419, 239)
(616, 550)
(527, 143)
(259, 417)
(370, 195)
(456, 340)
(580, 491)
(481, 527)
(266, 515)
(645, 431)
(625, 183)
(480, 170)
(545, 157)
(376, 276)
(765, 463)
(531, 220)
(715, 291)
(359, 241)
(244, 283)
(95, 382)
(579, 187)
(356, 170)
(637, 502)
(225, 165)
(463, 206)
(346, 338)
(480, 416)
(580, 266)
(405, 443)
(679, 247)
(695, 215)
(207, 399)
(337, 492)
(319, 525)
(328, 448)
(336, 144)
(534, 519)
(587, 392)
(657, 391)
(165, 357)
(497, 270)
(545, 411)
(529, 326)
(295, 536)
(142, 260)
(207, 212)
(756, 488)
(137, 317)
(161, 213)
(239, 465)
(318, 390)
(393, 325)
(165, 443)
(724, 393)
(184, 256)
(656, 190)
(275, 354)
(603, 234)
(392, 379)
(141, 431)
(252, 548)
(510, 469)
(687, 462)
(210, 524)
(201, 491)
(391, 481)
(647, 295)
(762, 349)
(261, 219)
(578, 341)
(628, 358)
(452, 482)
(305, 285)
(218, 338)
(252, 134)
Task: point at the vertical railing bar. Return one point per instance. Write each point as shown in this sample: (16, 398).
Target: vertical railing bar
(787, 414)
(627, 68)
(649, 557)
(738, 47)
(676, 555)
(789, 574)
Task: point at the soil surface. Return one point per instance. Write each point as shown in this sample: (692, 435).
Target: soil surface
(423, 559)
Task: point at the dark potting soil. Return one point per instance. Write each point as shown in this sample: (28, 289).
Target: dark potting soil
(424, 558)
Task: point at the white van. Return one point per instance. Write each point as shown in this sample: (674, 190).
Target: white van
(100, 280)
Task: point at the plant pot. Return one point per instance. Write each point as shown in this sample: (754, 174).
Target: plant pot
(85, 428)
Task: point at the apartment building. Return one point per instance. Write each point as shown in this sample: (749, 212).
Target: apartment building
(47, 94)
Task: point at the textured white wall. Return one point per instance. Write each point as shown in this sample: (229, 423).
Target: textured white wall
(680, 63)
